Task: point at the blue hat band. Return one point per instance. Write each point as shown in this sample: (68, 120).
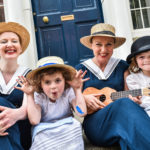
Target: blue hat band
(46, 64)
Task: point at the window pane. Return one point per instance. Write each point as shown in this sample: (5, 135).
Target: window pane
(136, 18)
(2, 16)
(146, 17)
(1, 2)
(145, 3)
(136, 4)
(133, 19)
(131, 4)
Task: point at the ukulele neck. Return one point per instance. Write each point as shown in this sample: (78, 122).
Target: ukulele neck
(134, 93)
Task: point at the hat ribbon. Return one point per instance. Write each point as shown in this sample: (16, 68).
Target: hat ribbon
(46, 64)
(146, 47)
(104, 32)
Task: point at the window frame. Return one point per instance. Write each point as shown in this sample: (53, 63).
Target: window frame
(138, 32)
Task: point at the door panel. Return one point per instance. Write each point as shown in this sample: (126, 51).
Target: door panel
(48, 6)
(50, 38)
(61, 37)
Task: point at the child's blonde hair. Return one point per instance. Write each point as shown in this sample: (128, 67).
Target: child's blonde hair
(134, 66)
(49, 71)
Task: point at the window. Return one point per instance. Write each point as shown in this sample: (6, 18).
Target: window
(140, 13)
(2, 16)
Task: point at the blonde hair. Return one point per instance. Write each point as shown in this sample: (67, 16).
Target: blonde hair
(36, 82)
(134, 66)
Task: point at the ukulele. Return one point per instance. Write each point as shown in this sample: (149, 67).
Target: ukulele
(108, 95)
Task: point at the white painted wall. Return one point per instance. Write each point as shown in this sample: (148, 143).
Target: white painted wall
(21, 11)
(116, 13)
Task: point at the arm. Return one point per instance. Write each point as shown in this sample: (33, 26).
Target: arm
(126, 73)
(78, 103)
(93, 104)
(33, 109)
(9, 116)
(132, 84)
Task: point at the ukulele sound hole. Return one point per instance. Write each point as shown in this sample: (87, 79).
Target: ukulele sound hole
(102, 98)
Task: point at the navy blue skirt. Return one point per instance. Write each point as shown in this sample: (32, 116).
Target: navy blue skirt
(123, 122)
(11, 141)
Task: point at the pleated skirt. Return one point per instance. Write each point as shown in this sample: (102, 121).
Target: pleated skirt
(64, 137)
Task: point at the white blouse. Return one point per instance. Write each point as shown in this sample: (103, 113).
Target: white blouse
(58, 110)
(140, 81)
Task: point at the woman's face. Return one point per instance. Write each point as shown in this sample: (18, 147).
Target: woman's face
(102, 48)
(10, 46)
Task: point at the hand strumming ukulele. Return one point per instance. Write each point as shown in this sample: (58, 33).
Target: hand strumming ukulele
(108, 95)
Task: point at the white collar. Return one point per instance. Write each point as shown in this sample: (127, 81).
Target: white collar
(111, 65)
(8, 88)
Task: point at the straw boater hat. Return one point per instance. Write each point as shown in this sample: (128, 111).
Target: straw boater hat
(51, 62)
(103, 30)
(19, 30)
(140, 45)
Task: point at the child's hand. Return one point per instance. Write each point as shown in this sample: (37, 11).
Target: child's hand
(136, 99)
(78, 80)
(25, 85)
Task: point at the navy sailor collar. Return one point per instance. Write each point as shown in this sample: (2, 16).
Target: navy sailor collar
(112, 63)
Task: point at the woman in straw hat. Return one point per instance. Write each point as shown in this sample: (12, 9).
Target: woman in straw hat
(122, 121)
(58, 91)
(14, 40)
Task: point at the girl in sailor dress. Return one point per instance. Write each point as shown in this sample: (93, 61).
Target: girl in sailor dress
(58, 91)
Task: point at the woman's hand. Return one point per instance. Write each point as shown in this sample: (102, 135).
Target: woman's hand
(25, 85)
(93, 104)
(136, 99)
(78, 80)
(8, 117)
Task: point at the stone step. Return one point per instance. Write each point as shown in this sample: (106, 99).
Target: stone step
(90, 146)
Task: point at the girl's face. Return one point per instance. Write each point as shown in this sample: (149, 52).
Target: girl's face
(102, 48)
(9, 45)
(143, 62)
(53, 85)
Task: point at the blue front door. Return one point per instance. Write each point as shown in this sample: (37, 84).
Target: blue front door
(60, 24)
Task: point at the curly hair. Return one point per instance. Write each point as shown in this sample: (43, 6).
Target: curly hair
(36, 82)
(134, 66)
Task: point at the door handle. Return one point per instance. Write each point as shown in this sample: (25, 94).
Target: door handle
(45, 19)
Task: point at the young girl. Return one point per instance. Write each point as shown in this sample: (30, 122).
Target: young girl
(58, 91)
(139, 61)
